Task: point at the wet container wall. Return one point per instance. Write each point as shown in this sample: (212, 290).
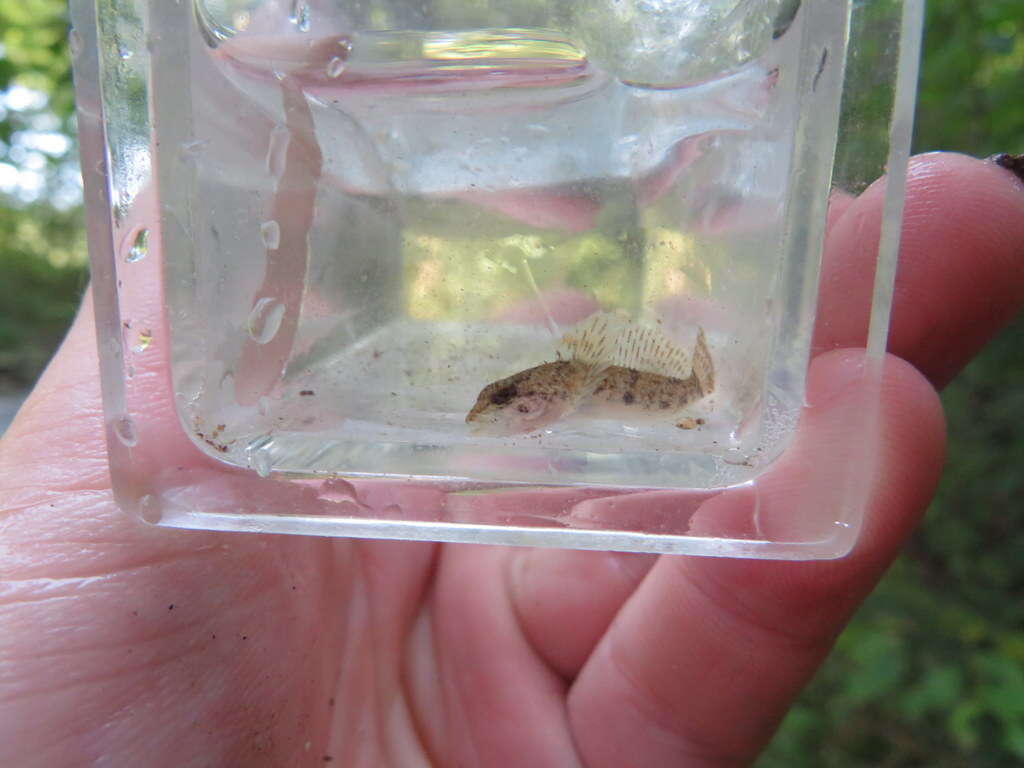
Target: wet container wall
(514, 272)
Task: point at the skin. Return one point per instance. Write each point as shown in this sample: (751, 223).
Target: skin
(284, 650)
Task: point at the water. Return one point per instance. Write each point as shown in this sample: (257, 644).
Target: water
(386, 221)
(137, 246)
(265, 319)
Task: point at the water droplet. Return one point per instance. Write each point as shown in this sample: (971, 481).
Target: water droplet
(74, 42)
(265, 319)
(270, 232)
(345, 44)
(259, 460)
(124, 428)
(143, 340)
(300, 15)
(335, 67)
(150, 509)
(338, 491)
(123, 52)
(139, 246)
(277, 150)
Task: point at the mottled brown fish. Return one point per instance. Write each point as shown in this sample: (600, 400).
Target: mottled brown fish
(613, 369)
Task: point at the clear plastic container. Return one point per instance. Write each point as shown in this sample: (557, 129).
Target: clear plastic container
(320, 230)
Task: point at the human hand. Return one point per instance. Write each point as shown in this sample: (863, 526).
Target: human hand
(129, 645)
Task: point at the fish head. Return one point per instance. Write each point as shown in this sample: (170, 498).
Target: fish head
(515, 406)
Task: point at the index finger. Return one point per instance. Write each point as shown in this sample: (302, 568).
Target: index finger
(956, 284)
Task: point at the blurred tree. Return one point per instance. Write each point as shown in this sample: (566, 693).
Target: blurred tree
(36, 105)
(43, 278)
(42, 256)
(970, 94)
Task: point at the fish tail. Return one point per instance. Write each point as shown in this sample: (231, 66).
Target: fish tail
(703, 367)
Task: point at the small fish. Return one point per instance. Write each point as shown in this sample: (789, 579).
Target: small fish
(611, 369)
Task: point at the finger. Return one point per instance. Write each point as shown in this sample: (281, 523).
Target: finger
(959, 279)
(475, 677)
(704, 659)
(566, 599)
(964, 227)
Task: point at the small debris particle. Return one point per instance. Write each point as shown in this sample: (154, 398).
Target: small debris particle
(328, 758)
(377, 353)
(170, 607)
(628, 398)
(330, 702)
(245, 637)
(307, 393)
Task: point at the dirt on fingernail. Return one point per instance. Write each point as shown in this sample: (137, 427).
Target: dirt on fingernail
(1013, 163)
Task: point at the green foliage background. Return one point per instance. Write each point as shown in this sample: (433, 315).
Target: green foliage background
(931, 670)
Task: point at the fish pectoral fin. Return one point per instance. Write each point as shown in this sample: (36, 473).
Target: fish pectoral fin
(594, 374)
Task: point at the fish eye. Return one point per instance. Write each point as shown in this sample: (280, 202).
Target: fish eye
(503, 395)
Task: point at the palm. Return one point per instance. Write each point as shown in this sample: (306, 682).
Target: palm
(133, 645)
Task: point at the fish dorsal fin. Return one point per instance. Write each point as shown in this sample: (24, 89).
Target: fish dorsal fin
(614, 339)
(703, 366)
(592, 341)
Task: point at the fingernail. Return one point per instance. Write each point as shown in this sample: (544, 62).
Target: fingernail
(1013, 163)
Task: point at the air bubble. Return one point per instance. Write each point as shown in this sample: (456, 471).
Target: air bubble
(277, 150)
(346, 45)
(139, 247)
(300, 15)
(270, 233)
(265, 319)
(335, 67)
(124, 428)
